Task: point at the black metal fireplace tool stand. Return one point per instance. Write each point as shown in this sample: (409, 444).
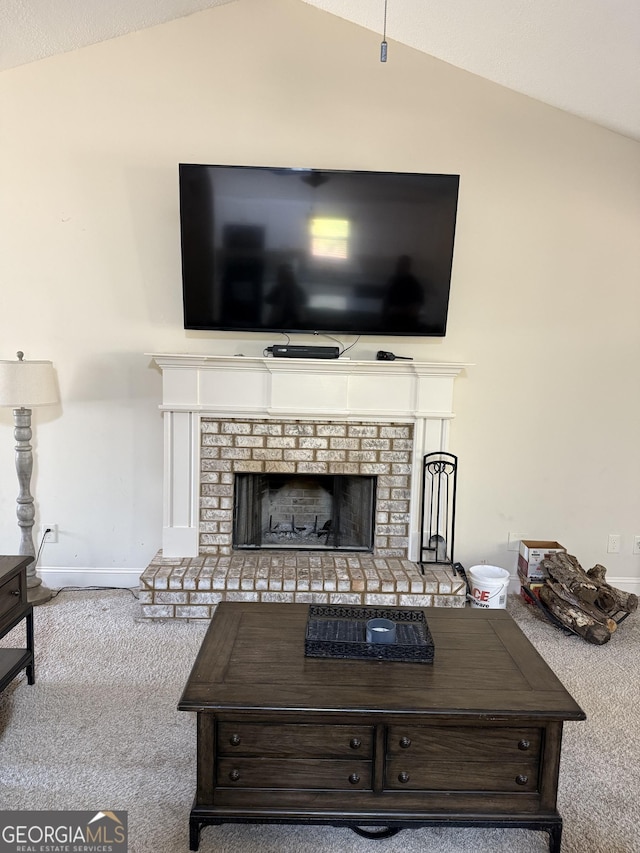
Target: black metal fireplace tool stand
(438, 510)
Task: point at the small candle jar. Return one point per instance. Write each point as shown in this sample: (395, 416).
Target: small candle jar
(381, 631)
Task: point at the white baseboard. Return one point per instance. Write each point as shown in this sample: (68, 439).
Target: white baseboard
(120, 578)
(627, 584)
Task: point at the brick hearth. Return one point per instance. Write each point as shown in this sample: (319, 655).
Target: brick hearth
(190, 588)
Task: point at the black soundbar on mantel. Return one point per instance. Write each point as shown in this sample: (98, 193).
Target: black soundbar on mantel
(289, 351)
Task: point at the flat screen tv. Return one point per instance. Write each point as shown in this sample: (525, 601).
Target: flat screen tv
(308, 250)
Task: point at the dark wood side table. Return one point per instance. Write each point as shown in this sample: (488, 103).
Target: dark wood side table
(473, 739)
(13, 609)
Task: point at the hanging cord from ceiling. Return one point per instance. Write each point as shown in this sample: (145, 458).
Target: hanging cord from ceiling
(383, 45)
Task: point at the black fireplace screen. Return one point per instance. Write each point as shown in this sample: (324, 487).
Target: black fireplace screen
(304, 511)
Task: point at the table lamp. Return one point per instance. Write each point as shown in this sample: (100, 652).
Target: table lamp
(23, 385)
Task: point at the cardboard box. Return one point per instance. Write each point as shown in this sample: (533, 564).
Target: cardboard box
(532, 553)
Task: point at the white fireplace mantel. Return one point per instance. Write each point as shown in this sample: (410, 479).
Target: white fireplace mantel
(197, 386)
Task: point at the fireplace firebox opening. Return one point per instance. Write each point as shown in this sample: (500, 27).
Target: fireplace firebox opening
(304, 511)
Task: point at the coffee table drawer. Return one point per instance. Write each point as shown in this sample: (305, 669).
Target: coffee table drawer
(474, 776)
(465, 743)
(308, 774)
(295, 740)
(463, 758)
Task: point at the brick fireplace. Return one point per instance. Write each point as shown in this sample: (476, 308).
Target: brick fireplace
(229, 417)
(319, 447)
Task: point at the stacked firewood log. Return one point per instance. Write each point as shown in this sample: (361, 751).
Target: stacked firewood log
(583, 600)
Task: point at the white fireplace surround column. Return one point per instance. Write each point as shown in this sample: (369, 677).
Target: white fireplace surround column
(197, 386)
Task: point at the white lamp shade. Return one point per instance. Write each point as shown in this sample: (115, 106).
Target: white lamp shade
(27, 384)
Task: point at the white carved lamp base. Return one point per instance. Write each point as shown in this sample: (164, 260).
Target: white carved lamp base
(23, 385)
(37, 593)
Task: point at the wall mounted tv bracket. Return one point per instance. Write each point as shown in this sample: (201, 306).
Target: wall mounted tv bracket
(289, 351)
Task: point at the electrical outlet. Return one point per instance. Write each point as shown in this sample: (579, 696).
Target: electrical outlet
(50, 538)
(636, 544)
(613, 544)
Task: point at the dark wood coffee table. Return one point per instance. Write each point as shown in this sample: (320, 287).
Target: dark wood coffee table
(472, 739)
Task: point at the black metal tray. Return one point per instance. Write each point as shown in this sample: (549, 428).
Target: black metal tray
(339, 631)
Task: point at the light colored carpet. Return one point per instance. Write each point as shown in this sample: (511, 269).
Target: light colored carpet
(100, 730)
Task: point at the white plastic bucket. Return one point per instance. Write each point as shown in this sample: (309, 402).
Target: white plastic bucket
(489, 586)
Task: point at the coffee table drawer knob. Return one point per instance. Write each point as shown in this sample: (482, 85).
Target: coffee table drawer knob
(403, 777)
(355, 743)
(405, 742)
(234, 775)
(354, 778)
(524, 744)
(234, 740)
(522, 779)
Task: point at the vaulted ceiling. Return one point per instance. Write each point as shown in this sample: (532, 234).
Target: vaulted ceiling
(582, 56)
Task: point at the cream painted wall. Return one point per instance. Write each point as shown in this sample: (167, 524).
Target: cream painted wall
(545, 295)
